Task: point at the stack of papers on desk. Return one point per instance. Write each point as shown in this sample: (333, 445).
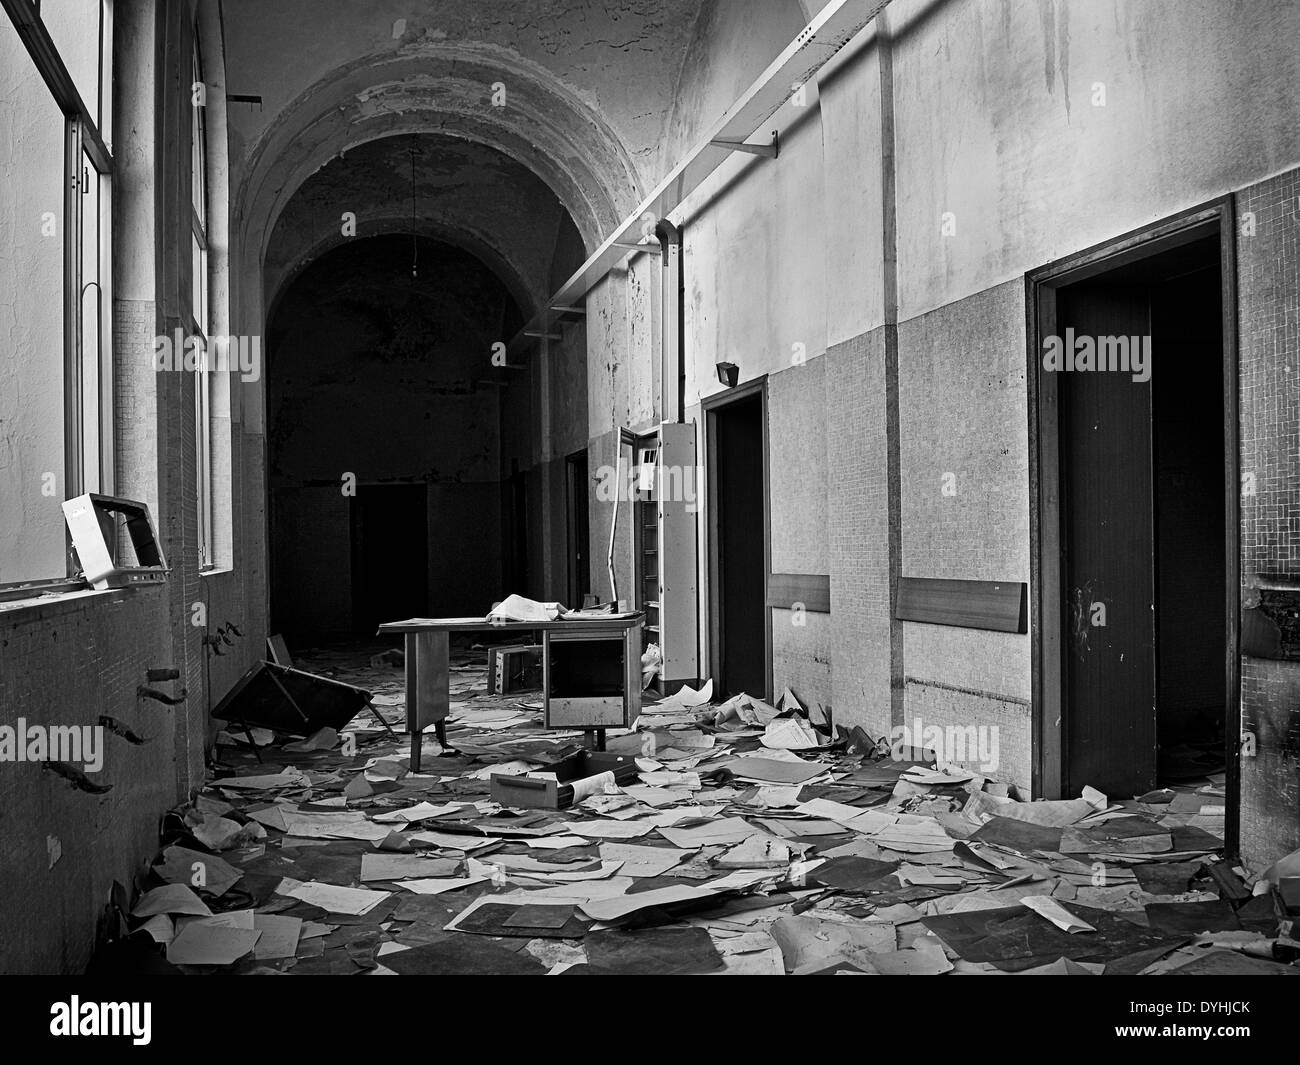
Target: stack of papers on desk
(517, 608)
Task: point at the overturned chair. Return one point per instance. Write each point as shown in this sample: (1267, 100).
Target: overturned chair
(274, 695)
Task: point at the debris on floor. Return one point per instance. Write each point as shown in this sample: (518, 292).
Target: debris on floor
(736, 838)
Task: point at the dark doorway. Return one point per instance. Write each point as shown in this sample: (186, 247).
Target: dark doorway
(1143, 472)
(311, 571)
(739, 629)
(516, 504)
(375, 374)
(577, 525)
(390, 555)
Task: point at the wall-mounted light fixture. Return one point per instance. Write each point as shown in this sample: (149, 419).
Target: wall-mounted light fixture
(728, 373)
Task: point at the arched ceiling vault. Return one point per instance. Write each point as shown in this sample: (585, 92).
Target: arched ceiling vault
(465, 194)
(542, 127)
(591, 93)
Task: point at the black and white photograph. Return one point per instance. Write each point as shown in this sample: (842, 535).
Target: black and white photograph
(655, 488)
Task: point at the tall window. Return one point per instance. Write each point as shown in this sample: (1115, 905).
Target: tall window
(200, 319)
(55, 279)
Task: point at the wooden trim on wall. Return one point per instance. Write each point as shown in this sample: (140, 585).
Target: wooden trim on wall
(996, 606)
(811, 590)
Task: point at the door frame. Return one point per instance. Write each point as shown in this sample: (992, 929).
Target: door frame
(578, 540)
(711, 407)
(1048, 623)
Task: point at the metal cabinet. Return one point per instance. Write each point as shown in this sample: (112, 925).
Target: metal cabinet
(668, 500)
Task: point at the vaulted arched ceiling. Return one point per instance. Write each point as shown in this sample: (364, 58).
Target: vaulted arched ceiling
(460, 192)
(575, 92)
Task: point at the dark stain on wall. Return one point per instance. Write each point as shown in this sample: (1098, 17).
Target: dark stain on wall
(1271, 625)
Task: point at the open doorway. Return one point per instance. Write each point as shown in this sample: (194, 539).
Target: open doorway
(515, 504)
(390, 555)
(740, 622)
(1135, 649)
(577, 526)
(374, 379)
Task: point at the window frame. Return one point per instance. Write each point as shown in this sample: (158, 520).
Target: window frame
(83, 134)
(201, 315)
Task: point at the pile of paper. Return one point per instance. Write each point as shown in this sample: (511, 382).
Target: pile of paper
(750, 843)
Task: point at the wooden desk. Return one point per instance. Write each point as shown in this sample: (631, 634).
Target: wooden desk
(428, 659)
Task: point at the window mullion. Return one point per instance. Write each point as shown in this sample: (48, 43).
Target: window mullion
(45, 55)
(104, 310)
(72, 381)
(72, 408)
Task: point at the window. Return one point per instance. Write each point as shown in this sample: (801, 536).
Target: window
(55, 199)
(200, 320)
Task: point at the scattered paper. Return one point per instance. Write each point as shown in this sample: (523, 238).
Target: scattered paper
(279, 936)
(205, 943)
(726, 830)
(418, 812)
(286, 778)
(438, 886)
(643, 861)
(790, 734)
(614, 908)
(331, 897)
(1056, 913)
(207, 872)
(171, 898)
(775, 771)
(387, 866)
(607, 829)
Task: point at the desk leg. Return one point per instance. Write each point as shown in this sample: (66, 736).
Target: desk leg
(632, 656)
(428, 699)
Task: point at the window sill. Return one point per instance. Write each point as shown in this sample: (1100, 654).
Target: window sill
(53, 604)
(216, 571)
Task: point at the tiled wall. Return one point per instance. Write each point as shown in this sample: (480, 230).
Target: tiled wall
(964, 463)
(857, 491)
(68, 666)
(799, 480)
(1268, 281)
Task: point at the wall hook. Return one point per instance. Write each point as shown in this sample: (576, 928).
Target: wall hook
(144, 692)
(118, 729)
(76, 777)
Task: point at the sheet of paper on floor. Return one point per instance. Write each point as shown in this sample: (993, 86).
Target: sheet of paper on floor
(386, 866)
(607, 829)
(643, 861)
(205, 942)
(331, 897)
(439, 885)
(726, 830)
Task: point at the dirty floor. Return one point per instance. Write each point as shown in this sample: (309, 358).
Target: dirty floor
(724, 856)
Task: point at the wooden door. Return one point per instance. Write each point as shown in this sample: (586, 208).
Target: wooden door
(1107, 546)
